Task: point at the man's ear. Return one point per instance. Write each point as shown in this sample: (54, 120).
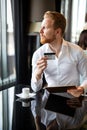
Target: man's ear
(59, 31)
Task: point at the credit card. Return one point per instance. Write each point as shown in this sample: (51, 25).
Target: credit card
(50, 56)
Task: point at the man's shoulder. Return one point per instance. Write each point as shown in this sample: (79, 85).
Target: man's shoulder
(74, 46)
(73, 49)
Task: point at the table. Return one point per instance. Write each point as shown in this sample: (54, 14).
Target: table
(69, 112)
(36, 113)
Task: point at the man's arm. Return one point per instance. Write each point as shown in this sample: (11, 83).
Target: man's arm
(37, 73)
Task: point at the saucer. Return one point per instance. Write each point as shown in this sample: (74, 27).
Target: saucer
(29, 96)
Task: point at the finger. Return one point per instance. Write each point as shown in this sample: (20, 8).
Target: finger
(41, 61)
(74, 93)
(42, 65)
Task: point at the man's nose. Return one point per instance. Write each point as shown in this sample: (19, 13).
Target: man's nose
(41, 30)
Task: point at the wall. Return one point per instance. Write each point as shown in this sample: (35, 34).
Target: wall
(38, 7)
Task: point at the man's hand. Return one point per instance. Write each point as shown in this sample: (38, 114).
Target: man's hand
(41, 66)
(76, 91)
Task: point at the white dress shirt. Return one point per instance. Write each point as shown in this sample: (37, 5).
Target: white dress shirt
(64, 70)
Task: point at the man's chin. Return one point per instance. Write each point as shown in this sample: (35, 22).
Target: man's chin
(42, 42)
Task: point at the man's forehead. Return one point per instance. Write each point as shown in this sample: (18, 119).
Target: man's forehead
(47, 22)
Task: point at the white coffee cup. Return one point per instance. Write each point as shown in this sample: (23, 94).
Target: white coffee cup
(25, 92)
(25, 104)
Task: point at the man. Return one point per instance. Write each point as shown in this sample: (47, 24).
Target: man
(70, 61)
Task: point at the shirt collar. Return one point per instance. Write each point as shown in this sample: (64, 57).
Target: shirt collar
(64, 44)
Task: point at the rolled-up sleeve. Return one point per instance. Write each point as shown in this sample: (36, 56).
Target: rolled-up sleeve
(35, 85)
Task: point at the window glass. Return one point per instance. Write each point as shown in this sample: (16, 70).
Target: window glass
(7, 46)
(10, 42)
(75, 12)
(1, 119)
(0, 43)
(10, 105)
(78, 18)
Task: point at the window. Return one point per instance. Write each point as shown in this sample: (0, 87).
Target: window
(7, 48)
(75, 12)
(78, 18)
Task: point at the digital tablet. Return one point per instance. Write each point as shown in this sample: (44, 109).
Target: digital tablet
(59, 88)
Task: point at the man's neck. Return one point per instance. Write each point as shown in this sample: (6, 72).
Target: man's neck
(56, 47)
